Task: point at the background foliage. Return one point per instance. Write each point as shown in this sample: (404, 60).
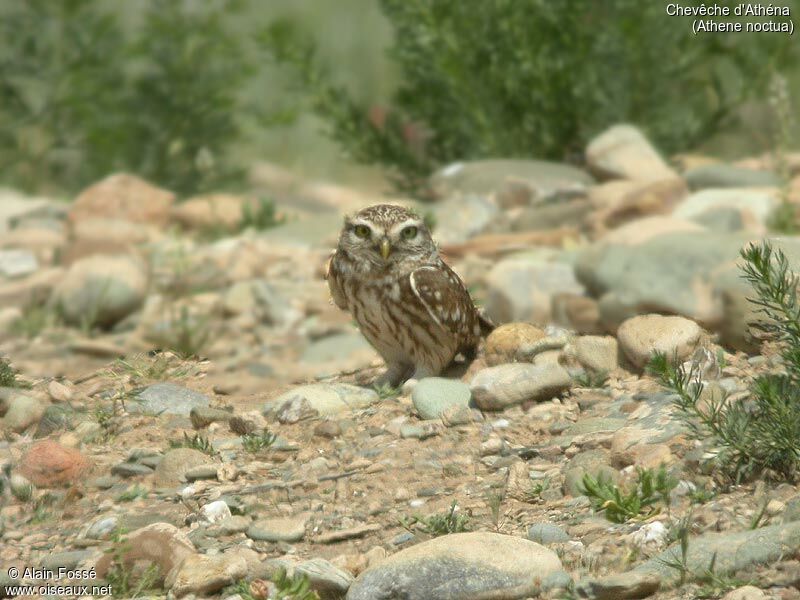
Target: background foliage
(544, 79)
(181, 91)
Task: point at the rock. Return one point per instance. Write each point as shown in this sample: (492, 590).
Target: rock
(623, 152)
(433, 395)
(59, 392)
(596, 353)
(160, 544)
(459, 566)
(753, 206)
(55, 418)
(167, 398)
(506, 342)
(520, 288)
(20, 487)
(49, 464)
(748, 592)
(324, 399)
(734, 552)
(130, 469)
(279, 529)
(456, 415)
(102, 529)
(258, 298)
(212, 212)
(461, 217)
(540, 180)
(496, 388)
(105, 236)
(67, 560)
(547, 533)
(203, 416)
(641, 336)
(100, 290)
(125, 197)
(653, 422)
(32, 290)
(623, 586)
(23, 411)
(576, 313)
(17, 263)
(721, 175)
(625, 202)
(171, 471)
(205, 575)
(643, 230)
(325, 578)
(15, 206)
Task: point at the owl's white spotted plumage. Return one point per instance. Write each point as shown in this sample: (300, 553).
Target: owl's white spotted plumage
(408, 303)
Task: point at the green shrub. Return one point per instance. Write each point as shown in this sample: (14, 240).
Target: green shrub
(760, 435)
(517, 78)
(8, 375)
(81, 95)
(618, 505)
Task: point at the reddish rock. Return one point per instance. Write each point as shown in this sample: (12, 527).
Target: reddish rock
(125, 197)
(49, 464)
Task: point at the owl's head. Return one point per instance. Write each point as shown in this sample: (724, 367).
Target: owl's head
(386, 234)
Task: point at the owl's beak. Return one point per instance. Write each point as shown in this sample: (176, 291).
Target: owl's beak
(386, 248)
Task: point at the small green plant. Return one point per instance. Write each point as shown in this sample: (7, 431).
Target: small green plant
(651, 488)
(495, 502)
(161, 366)
(450, 521)
(35, 318)
(187, 334)
(758, 518)
(133, 492)
(295, 587)
(260, 215)
(534, 493)
(125, 582)
(680, 563)
(701, 495)
(591, 379)
(255, 442)
(386, 391)
(196, 442)
(42, 509)
(8, 376)
(762, 434)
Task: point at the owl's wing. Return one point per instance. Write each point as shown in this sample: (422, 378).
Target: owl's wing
(445, 299)
(333, 277)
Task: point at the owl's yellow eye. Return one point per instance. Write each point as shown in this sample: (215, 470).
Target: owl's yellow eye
(361, 231)
(409, 233)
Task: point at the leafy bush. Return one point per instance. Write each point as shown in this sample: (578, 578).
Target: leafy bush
(8, 375)
(82, 96)
(518, 78)
(450, 521)
(762, 434)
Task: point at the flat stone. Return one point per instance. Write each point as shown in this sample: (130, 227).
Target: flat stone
(623, 152)
(323, 399)
(733, 551)
(167, 398)
(496, 388)
(68, 560)
(206, 575)
(129, 469)
(459, 566)
(203, 416)
(279, 529)
(728, 176)
(623, 586)
(17, 263)
(325, 578)
(547, 533)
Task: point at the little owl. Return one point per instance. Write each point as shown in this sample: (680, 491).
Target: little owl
(408, 303)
